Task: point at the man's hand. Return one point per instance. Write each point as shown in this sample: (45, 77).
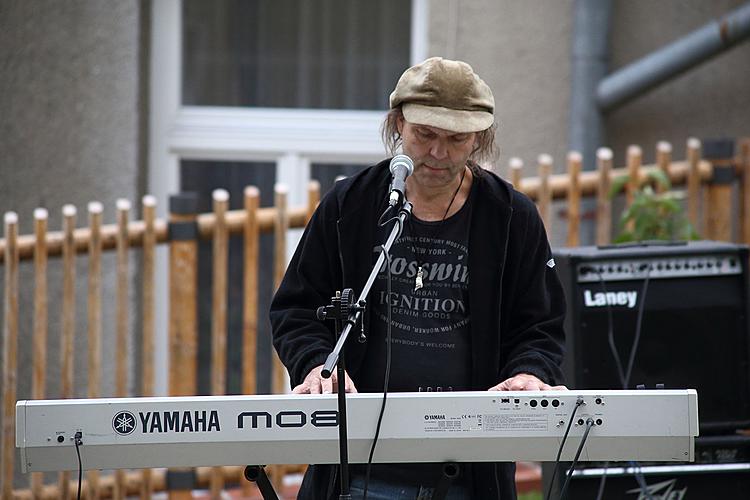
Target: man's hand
(525, 382)
(314, 383)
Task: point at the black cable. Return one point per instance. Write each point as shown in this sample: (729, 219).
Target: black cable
(602, 482)
(382, 222)
(579, 402)
(625, 376)
(611, 332)
(380, 219)
(78, 442)
(589, 425)
(641, 480)
(638, 325)
(387, 375)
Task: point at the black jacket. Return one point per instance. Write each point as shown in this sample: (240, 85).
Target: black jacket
(515, 298)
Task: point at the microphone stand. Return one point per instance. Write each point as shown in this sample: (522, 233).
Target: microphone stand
(343, 309)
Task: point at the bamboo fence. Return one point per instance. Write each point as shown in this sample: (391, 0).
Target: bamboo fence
(718, 204)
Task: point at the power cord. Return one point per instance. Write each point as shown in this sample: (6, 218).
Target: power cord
(579, 402)
(381, 223)
(589, 425)
(385, 222)
(638, 326)
(640, 479)
(624, 376)
(387, 375)
(77, 439)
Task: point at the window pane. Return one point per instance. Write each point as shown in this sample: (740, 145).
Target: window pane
(334, 54)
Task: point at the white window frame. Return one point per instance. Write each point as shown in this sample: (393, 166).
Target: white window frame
(291, 138)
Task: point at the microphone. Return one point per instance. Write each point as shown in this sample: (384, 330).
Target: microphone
(401, 167)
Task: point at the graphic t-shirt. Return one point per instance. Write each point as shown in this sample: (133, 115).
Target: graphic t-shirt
(431, 348)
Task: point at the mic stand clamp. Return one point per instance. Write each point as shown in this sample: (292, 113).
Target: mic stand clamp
(345, 313)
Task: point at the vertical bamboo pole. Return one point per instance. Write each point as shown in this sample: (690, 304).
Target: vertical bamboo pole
(544, 202)
(68, 320)
(575, 161)
(694, 180)
(121, 313)
(634, 161)
(281, 227)
(663, 160)
(149, 256)
(219, 314)
(516, 169)
(10, 353)
(183, 317)
(95, 210)
(603, 203)
(39, 362)
(250, 287)
(250, 304)
(745, 191)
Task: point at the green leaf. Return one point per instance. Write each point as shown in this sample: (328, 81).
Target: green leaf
(660, 178)
(654, 216)
(618, 184)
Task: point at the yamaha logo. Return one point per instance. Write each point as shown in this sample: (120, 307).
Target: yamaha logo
(123, 423)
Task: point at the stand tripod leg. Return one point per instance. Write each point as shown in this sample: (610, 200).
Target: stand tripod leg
(257, 474)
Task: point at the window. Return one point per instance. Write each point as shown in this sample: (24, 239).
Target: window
(331, 54)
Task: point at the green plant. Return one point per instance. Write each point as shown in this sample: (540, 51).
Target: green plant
(653, 215)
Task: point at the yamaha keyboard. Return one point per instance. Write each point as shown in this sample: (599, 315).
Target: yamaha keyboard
(658, 425)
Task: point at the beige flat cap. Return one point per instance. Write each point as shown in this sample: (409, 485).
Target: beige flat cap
(444, 94)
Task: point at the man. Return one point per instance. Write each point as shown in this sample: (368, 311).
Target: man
(475, 300)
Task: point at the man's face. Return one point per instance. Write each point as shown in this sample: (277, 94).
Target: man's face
(439, 155)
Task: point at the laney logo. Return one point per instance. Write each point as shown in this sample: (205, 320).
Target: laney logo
(601, 299)
(666, 489)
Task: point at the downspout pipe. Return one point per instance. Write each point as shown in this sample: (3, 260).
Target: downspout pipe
(674, 59)
(589, 59)
(588, 65)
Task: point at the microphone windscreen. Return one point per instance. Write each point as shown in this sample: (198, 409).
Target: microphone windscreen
(402, 160)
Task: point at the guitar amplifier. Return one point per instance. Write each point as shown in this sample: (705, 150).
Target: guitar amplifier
(682, 307)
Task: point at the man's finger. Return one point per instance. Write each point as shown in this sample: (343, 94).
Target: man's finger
(326, 384)
(300, 389)
(314, 384)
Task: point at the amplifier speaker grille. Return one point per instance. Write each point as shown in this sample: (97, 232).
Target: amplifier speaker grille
(694, 327)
